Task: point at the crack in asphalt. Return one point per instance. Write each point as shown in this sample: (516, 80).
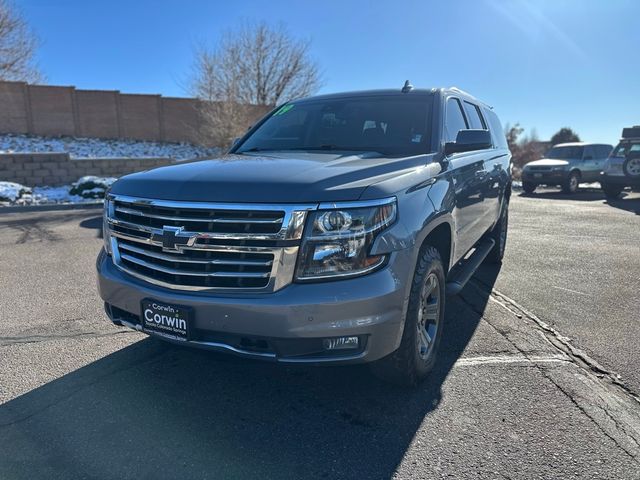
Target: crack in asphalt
(6, 341)
(577, 357)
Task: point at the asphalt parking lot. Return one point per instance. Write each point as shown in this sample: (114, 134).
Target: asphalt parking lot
(537, 377)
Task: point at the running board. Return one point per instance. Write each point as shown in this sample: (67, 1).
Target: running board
(462, 275)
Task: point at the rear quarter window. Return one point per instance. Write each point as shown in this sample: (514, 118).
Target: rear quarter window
(497, 133)
(474, 116)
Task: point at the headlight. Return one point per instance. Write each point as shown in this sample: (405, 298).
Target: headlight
(106, 235)
(557, 169)
(337, 241)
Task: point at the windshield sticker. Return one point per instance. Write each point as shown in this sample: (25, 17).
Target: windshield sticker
(416, 138)
(284, 109)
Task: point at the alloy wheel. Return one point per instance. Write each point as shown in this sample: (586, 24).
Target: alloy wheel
(429, 316)
(573, 183)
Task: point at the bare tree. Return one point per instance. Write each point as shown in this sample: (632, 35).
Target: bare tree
(255, 65)
(17, 47)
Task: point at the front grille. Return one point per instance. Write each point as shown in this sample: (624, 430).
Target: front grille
(202, 246)
(540, 169)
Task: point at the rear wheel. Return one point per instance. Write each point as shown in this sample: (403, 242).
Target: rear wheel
(416, 356)
(499, 235)
(528, 187)
(572, 183)
(611, 191)
(631, 166)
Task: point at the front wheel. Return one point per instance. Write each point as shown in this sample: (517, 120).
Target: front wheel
(416, 356)
(571, 184)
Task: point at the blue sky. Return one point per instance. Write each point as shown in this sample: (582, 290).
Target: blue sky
(545, 64)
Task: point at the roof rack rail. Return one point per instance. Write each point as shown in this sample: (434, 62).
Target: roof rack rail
(631, 132)
(459, 90)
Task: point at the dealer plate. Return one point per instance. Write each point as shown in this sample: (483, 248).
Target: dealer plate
(166, 319)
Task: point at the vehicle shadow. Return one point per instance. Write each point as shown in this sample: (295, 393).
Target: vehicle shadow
(156, 411)
(93, 223)
(583, 194)
(627, 201)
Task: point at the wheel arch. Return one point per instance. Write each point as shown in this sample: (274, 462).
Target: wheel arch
(575, 170)
(440, 236)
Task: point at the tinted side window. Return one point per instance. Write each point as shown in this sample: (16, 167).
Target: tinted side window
(454, 120)
(475, 118)
(603, 151)
(589, 153)
(499, 138)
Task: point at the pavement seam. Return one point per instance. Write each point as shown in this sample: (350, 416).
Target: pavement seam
(580, 361)
(8, 341)
(563, 344)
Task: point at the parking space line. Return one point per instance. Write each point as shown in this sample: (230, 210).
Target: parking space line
(511, 359)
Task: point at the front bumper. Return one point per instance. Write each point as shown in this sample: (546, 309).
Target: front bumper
(545, 177)
(619, 180)
(284, 326)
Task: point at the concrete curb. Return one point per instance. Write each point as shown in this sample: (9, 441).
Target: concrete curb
(51, 207)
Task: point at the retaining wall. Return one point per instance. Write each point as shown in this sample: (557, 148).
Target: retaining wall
(55, 169)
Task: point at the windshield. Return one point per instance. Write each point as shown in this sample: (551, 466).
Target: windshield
(391, 126)
(565, 153)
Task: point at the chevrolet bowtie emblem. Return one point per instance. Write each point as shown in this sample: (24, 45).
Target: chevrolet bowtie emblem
(174, 239)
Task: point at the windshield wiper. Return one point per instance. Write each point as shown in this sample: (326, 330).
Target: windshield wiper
(257, 149)
(332, 147)
(327, 147)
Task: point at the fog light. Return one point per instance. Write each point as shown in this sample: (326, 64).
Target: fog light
(340, 343)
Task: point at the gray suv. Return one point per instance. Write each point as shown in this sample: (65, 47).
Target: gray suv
(622, 168)
(330, 234)
(566, 165)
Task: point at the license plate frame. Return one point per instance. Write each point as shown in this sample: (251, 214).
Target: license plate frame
(166, 319)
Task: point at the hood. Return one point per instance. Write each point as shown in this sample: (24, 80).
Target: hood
(547, 162)
(289, 177)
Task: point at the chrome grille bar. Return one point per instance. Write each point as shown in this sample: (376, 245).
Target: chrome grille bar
(139, 213)
(203, 246)
(175, 271)
(176, 258)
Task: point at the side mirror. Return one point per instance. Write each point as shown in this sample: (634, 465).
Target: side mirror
(468, 141)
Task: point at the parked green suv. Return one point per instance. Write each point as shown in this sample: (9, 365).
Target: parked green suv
(566, 165)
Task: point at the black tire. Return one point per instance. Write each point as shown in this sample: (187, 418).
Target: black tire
(611, 191)
(528, 187)
(411, 362)
(571, 183)
(499, 235)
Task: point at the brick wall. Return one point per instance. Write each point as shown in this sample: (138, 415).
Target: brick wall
(57, 111)
(98, 113)
(55, 169)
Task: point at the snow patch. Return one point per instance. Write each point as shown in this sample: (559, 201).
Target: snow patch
(11, 191)
(78, 147)
(91, 186)
(15, 194)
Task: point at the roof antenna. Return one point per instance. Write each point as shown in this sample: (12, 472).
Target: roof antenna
(407, 87)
